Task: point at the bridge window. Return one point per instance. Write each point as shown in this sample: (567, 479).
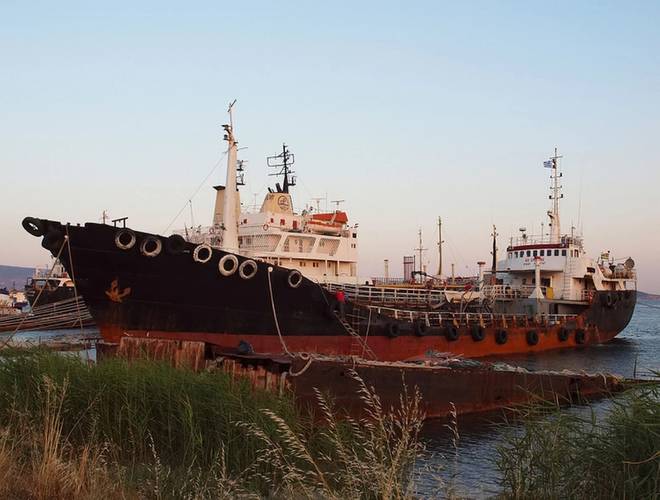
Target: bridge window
(515, 254)
(534, 253)
(542, 253)
(556, 253)
(529, 253)
(563, 253)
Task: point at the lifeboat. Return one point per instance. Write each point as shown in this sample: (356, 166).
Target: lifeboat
(328, 223)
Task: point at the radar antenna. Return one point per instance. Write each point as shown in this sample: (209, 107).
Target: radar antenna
(283, 161)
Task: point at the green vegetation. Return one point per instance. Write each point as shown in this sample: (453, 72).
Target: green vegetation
(69, 429)
(562, 454)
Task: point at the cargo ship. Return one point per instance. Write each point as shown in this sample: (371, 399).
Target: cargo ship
(277, 281)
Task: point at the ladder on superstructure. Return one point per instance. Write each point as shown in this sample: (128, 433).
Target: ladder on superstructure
(568, 280)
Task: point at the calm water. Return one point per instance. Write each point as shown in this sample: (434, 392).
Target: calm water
(473, 468)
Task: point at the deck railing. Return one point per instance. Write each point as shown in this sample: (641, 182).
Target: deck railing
(469, 318)
(388, 295)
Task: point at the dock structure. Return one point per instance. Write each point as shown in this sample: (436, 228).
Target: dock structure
(445, 382)
(69, 313)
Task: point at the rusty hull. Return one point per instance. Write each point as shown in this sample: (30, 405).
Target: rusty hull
(471, 389)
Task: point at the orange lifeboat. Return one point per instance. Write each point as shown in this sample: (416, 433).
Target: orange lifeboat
(328, 223)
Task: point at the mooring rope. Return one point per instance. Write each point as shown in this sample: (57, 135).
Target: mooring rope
(303, 356)
(73, 278)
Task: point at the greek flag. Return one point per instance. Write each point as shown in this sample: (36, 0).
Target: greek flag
(547, 164)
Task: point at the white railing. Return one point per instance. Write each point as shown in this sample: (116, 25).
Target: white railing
(468, 318)
(386, 295)
(509, 292)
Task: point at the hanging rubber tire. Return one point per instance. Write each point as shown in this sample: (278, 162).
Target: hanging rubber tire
(202, 253)
(609, 301)
(393, 330)
(175, 244)
(478, 333)
(125, 239)
(580, 336)
(294, 279)
(233, 264)
(34, 226)
(151, 246)
(501, 336)
(420, 327)
(532, 337)
(451, 332)
(563, 334)
(248, 269)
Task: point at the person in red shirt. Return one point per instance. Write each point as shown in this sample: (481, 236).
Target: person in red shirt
(341, 300)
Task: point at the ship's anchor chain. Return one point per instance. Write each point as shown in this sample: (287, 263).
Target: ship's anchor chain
(302, 355)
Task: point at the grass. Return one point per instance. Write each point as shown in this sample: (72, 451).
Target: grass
(559, 454)
(146, 430)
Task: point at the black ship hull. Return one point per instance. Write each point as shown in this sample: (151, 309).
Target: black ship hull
(169, 294)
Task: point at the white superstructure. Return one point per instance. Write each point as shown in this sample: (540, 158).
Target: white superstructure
(321, 245)
(559, 261)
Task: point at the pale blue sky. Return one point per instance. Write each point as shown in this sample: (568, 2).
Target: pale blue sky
(406, 110)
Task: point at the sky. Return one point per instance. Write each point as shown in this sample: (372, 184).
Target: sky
(406, 110)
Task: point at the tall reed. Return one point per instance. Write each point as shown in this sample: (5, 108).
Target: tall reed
(565, 454)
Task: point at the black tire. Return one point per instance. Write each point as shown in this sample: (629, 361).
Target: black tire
(580, 336)
(501, 336)
(421, 328)
(478, 333)
(393, 330)
(609, 300)
(36, 227)
(532, 337)
(451, 332)
(175, 244)
(563, 334)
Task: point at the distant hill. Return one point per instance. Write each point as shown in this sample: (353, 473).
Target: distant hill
(14, 275)
(647, 296)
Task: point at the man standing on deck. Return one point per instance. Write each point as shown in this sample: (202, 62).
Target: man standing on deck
(341, 300)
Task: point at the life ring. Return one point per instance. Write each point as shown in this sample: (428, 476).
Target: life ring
(563, 334)
(265, 227)
(421, 327)
(232, 259)
(451, 332)
(248, 269)
(501, 336)
(580, 336)
(125, 239)
(151, 246)
(532, 337)
(175, 244)
(478, 333)
(294, 278)
(202, 253)
(393, 330)
(36, 227)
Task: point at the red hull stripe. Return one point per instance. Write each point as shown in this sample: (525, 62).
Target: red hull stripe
(386, 349)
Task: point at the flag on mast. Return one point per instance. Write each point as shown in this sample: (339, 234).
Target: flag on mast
(547, 164)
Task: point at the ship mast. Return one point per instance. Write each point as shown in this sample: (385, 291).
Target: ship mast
(553, 214)
(229, 215)
(493, 269)
(421, 249)
(440, 242)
